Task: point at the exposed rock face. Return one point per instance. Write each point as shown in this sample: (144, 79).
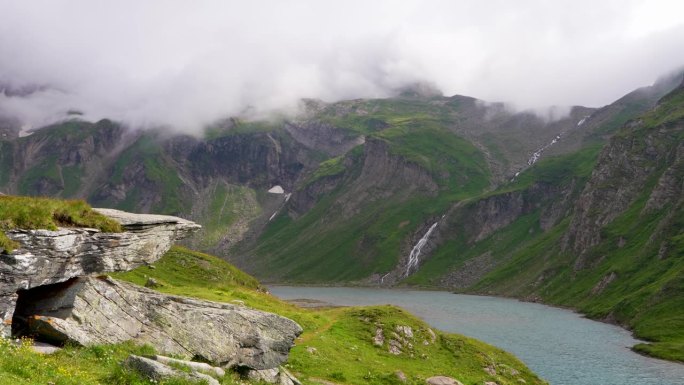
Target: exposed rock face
(323, 137)
(626, 169)
(47, 257)
(102, 310)
(382, 175)
(480, 219)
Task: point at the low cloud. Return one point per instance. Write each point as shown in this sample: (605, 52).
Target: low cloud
(186, 64)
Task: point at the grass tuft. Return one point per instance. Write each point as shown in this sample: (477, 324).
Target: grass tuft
(45, 213)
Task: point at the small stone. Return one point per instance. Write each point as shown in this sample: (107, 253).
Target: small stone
(279, 376)
(394, 347)
(311, 350)
(442, 380)
(400, 375)
(194, 366)
(490, 370)
(490, 383)
(405, 330)
(151, 283)
(44, 348)
(379, 338)
(433, 337)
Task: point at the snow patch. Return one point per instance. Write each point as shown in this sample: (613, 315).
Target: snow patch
(537, 154)
(25, 131)
(277, 189)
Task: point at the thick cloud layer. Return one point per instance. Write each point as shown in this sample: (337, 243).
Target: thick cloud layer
(186, 63)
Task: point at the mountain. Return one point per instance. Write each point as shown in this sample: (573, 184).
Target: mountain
(419, 189)
(599, 229)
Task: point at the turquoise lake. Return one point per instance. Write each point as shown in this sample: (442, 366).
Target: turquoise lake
(559, 345)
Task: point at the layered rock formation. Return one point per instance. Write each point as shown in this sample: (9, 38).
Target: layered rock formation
(48, 257)
(51, 289)
(101, 310)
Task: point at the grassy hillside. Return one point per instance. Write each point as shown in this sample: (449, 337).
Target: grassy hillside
(633, 275)
(556, 173)
(335, 348)
(342, 238)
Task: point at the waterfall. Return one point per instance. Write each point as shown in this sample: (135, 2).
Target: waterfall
(537, 154)
(415, 252)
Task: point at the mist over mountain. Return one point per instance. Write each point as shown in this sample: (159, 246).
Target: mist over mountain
(183, 66)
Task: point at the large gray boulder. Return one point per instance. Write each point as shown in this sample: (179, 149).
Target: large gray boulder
(47, 257)
(102, 310)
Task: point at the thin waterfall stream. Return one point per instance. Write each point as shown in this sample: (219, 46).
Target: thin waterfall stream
(415, 251)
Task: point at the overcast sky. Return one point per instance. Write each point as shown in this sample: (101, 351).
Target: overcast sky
(187, 63)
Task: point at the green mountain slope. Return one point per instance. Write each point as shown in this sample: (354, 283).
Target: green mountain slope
(598, 231)
(375, 197)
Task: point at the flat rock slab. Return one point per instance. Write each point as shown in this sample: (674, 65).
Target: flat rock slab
(41, 347)
(134, 219)
(46, 257)
(102, 310)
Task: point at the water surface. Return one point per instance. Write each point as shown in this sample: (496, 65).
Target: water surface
(559, 345)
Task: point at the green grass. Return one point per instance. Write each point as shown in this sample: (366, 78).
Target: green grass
(6, 162)
(228, 205)
(342, 337)
(148, 153)
(45, 213)
(558, 170)
(72, 180)
(330, 167)
(47, 171)
(93, 365)
(670, 109)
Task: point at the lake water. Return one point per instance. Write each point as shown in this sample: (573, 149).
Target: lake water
(559, 345)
